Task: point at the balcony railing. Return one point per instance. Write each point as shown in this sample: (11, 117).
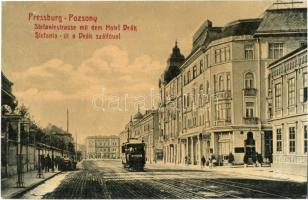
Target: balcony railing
(222, 122)
(222, 95)
(251, 120)
(250, 92)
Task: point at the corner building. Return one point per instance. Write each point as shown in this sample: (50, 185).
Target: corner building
(222, 100)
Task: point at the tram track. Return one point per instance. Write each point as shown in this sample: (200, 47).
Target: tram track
(107, 180)
(228, 184)
(236, 185)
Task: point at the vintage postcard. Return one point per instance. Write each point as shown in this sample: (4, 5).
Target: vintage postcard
(154, 99)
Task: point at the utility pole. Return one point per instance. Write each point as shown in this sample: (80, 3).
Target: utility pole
(67, 121)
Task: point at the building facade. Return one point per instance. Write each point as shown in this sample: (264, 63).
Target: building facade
(289, 107)
(144, 128)
(170, 118)
(103, 147)
(215, 104)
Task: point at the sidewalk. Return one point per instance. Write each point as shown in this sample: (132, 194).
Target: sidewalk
(256, 172)
(10, 191)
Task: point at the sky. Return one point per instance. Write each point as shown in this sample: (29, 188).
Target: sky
(102, 82)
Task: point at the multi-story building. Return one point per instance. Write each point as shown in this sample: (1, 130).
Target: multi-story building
(170, 86)
(144, 128)
(289, 111)
(103, 147)
(222, 98)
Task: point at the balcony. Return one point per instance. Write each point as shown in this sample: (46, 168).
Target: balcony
(250, 91)
(222, 95)
(222, 122)
(251, 120)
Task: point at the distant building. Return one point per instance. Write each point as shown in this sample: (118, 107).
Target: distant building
(288, 97)
(144, 128)
(103, 147)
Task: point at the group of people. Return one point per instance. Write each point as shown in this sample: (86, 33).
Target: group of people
(47, 163)
(204, 162)
(209, 162)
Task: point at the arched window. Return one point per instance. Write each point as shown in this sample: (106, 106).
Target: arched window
(228, 82)
(201, 95)
(221, 83)
(249, 80)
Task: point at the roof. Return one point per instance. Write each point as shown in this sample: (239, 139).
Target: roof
(283, 20)
(206, 33)
(288, 55)
(241, 27)
(138, 115)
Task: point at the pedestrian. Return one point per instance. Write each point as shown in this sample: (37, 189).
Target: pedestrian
(186, 163)
(202, 162)
(48, 163)
(189, 161)
(210, 162)
(42, 162)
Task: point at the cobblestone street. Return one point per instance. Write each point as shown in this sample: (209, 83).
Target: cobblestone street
(107, 179)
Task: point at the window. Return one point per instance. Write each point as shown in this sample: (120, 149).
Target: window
(248, 51)
(278, 140)
(275, 50)
(217, 56)
(207, 87)
(278, 96)
(292, 143)
(188, 77)
(305, 139)
(187, 100)
(221, 83)
(194, 95)
(207, 61)
(201, 103)
(228, 82)
(250, 109)
(201, 66)
(227, 49)
(305, 89)
(217, 112)
(215, 83)
(194, 72)
(291, 91)
(249, 80)
(228, 112)
(223, 55)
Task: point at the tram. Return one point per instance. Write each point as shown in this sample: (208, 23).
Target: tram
(133, 155)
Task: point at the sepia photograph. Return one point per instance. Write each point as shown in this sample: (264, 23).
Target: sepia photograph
(154, 99)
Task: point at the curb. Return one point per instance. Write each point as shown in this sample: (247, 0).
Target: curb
(18, 194)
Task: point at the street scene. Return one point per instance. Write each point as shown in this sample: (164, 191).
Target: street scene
(154, 100)
(107, 179)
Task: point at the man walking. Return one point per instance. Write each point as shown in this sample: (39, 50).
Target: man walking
(202, 162)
